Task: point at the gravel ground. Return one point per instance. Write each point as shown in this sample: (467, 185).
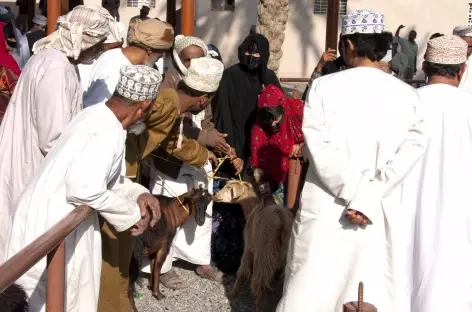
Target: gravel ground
(201, 295)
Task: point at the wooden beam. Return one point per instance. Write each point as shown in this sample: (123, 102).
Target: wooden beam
(332, 19)
(54, 11)
(188, 17)
(64, 7)
(170, 17)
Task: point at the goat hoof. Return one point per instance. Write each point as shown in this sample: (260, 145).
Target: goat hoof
(158, 295)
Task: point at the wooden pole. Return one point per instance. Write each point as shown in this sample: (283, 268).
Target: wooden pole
(56, 279)
(54, 11)
(188, 17)
(170, 17)
(64, 7)
(332, 19)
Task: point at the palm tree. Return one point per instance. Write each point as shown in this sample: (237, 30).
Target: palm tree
(272, 20)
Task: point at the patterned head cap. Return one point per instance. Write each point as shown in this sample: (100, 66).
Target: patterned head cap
(462, 31)
(447, 50)
(363, 22)
(181, 42)
(204, 74)
(138, 82)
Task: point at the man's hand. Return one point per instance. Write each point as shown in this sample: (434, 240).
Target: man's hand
(296, 151)
(149, 204)
(238, 164)
(141, 225)
(356, 217)
(212, 158)
(232, 155)
(329, 55)
(220, 144)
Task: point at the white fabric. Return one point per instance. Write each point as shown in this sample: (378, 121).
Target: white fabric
(46, 97)
(121, 31)
(362, 21)
(192, 243)
(466, 81)
(84, 74)
(462, 31)
(40, 20)
(328, 256)
(104, 77)
(22, 48)
(84, 167)
(388, 57)
(439, 187)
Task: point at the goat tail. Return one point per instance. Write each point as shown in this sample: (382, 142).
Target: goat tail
(271, 229)
(14, 299)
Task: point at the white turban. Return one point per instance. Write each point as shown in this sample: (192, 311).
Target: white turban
(121, 34)
(80, 29)
(181, 42)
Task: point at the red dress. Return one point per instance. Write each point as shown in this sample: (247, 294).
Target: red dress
(269, 149)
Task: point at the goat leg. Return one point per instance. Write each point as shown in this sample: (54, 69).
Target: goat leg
(260, 302)
(240, 280)
(158, 262)
(131, 293)
(151, 279)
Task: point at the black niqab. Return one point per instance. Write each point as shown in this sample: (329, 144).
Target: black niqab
(235, 103)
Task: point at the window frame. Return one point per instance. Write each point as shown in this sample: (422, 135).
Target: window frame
(320, 7)
(222, 5)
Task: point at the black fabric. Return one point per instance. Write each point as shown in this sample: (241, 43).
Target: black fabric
(267, 115)
(235, 103)
(33, 37)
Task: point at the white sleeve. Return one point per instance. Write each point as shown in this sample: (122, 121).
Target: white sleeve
(53, 107)
(327, 160)
(87, 182)
(129, 189)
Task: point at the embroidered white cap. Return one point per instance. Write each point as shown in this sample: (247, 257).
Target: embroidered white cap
(363, 22)
(462, 31)
(446, 50)
(204, 74)
(138, 82)
(40, 20)
(181, 42)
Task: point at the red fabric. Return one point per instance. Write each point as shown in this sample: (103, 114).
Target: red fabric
(6, 59)
(269, 151)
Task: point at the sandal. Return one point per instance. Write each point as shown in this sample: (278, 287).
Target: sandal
(172, 280)
(212, 274)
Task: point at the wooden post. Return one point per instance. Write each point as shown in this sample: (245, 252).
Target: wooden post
(64, 7)
(360, 305)
(188, 17)
(54, 11)
(332, 19)
(56, 279)
(170, 17)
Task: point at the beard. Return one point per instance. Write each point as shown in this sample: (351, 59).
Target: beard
(138, 127)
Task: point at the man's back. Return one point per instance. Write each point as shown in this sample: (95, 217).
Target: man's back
(439, 186)
(45, 99)
(372, 107)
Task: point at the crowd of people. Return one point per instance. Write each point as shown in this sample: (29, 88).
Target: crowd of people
(89, 121)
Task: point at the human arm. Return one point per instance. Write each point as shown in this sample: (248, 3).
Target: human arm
(88, 182)
(211, 137)
(397, 32)
(53, 106)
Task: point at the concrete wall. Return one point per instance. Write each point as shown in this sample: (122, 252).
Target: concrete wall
(305, 33)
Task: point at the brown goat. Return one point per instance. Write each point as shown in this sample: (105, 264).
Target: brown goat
(155, 243)
(266, 237)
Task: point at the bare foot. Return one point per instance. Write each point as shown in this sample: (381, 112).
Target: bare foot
(210, 272)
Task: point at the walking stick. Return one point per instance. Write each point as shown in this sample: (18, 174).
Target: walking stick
(359, 305)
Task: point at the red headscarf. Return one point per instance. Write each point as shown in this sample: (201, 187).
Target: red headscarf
(269, 151)
(6, 59)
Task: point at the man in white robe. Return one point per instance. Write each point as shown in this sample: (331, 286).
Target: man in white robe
(148, 41)
(109, 44)
(46, 97)
(86, 167)
(465, 33)
(192, 243)
(360, 145)
(442, 272)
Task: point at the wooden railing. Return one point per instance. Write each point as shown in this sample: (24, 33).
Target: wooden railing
(52, 245)
(413, 82)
